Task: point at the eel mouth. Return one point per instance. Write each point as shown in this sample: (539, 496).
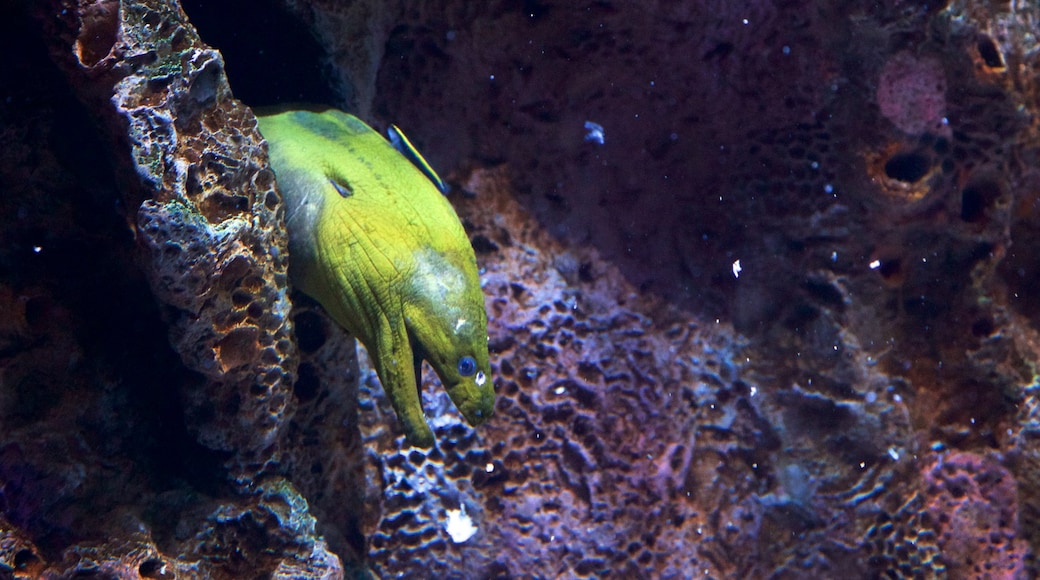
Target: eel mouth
(478, 410)
(475, 403)
(417, 357)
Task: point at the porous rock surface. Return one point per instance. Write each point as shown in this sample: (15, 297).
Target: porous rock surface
(781, 322)
(121, 457)
(852, 185)
(629, 438)
(217, 250)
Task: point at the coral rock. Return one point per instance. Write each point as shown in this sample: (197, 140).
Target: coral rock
(205, 207)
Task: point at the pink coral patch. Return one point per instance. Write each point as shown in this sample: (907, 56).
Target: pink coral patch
(912, 94)
(973, 499)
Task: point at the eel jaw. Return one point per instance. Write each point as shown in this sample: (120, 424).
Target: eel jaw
(420, 437)
(401, 384)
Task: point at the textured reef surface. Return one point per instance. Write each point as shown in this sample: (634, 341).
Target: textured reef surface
(761, 278)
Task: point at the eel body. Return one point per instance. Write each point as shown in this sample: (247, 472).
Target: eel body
(374, 241)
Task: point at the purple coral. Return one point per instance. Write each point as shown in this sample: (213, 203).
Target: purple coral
(911, 93)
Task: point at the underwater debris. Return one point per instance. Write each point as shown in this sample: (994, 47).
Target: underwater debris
(459, 525)
(594, 132)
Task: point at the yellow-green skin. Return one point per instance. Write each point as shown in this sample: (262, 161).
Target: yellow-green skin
(373, 240)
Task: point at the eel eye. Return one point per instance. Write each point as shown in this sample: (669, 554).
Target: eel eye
(467, 366)
(343, 189)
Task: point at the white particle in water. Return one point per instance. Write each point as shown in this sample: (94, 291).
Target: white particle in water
(595, 133)
(459, 525)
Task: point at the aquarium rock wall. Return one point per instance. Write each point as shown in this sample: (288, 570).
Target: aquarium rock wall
(761, 280)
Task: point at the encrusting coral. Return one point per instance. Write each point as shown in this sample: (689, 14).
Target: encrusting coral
(172, 464)
(761, 283)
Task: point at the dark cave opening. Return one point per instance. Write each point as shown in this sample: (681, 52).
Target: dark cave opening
(270, 56)
(88, 361)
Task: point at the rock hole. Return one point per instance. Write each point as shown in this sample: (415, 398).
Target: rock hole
(585, 272)
(24, 558)
(941, 146)
(976, 198)
(989, 52)
(238, 348)
(241, 298)
(310, 331)
(907, 167)
(255, 311)
(271, 201)
(263, 179)
(982, 327)
(98, 28)
(505, 368)
(826, 293)
(180, 40)
(220, 205)
(891, 269)
(205, 87)
(152, 568)
(483, 244)
(307, 383)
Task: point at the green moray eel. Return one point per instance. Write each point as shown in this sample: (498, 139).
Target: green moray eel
(374, 241)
